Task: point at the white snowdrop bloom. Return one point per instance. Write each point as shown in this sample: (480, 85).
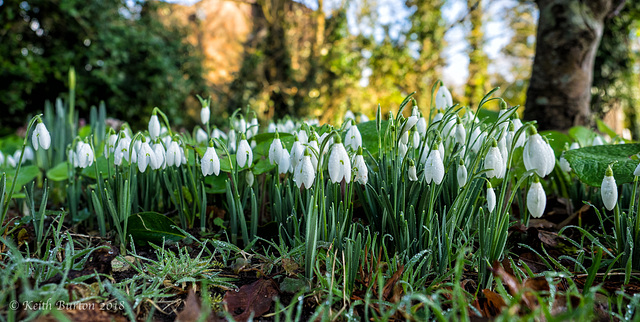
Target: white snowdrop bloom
(249, 178)
(415, 139)
(410, 123)
(313, 145)
(244, 156)
(574, 145)
(210, 163)
(154, 126)
(241, 124)
(504, 152)
(536, 155)
(434, 167)
(303, 137)
(421, 126)
(402, 149)
(550, 156)
(284, 164)
(1, 159)
(339, 163)
(271, 128)
(183, 155)
(364, 118)
(536, 199)
(477, 139)
(349, 116)
(146, 157)
(201, 136)
(511, 134)
(297, 152)
(122, 150)
(158, 150)
(174, 155)
(289, 126)
(447, 130)
(404, 138)
(305, 172)
(41, 137)
(597, 141)
(360, 168)
(440, 148)
(205, 114)
(438, 116)
(493, 161)
(329, 143)
(609, 190)
(491, 198)
(564, 164)
(110, 145)
(461, 174)
(412, 171)
(353, 139)
(16, 156)
(460, 134)
(275, 150)
(232, 140)
(29, 154)
(253, 127)
(443, 98)
(84, 154)
(11, 161)
(217, 134)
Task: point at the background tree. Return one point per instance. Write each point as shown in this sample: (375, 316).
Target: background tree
(568, 36)
(477, 82)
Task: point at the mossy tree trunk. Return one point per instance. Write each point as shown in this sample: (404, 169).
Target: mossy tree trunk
(569, 32)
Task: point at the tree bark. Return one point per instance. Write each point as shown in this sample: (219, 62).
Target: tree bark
(569, 32)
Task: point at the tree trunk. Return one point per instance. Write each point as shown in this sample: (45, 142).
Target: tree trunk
(569, 32)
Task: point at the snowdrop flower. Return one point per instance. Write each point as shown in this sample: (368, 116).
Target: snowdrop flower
(493, 161)
(210, 163)
(183, 155)
(174, 155)
(360, 168)
(404, 138)
(154, 126)
(84, 155)
(438, 116)
(402, 149)
(313, 145)
(297, 152)
(339, 164)
(253, 127)
(511, 134)
(460, 134)
(564, 164)
(303, 137)
(421, 126)
(609, 190)
(477, 139)
(28, 154)
(353, 139)
(205, 114)
(11, 161)
(461, 174)
(232, 140)
(305, 172)
(1, 158)
(110, 144)
(41, 137)
(271, 127)
(448, 127)
(410, 123)
(426, 151)
(249, 178)
(284, 163)
(415, 138)
(217, 134)
(122, 150)
(412, 171)
(434, 167)
(201, 136)
(349, 115)
(491, 198)
(574, 145)
(443, 98)
(241, 124)
(538, 155)
(289, 126)
(536, 198)
(363, 118)
(158, 150)
(504, 152)
(244, 156)
(146, 157)
(275, 150)
(597, 141)
(636, 172)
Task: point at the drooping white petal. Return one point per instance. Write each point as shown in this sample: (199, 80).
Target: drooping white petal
(210, 163)
(362, 174)
(41, 137)
(434, 168)
(205, 114)
(353, 139)
(244, 155)
(491, 199)
(412, 173)
(275, 151)
(536, 200)
(461, 175)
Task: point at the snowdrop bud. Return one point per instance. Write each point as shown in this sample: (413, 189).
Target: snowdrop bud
(536, 198)
(536, 155)
(461, 174)
(305, 172)
(353, 139)
(154, 126)
(609, 190)
(459, 133)
(205, 114)
(491, 198)
(201, 136)
(339, 163)
(41, 137)
(360, 168)
(174, 155)
(412, 171)
(275, 150)
(244, 156)
(249, 178)
(210, 163)
(434, 167)
(284, 164)
(443, 98)
(493, 161)
(597, 141)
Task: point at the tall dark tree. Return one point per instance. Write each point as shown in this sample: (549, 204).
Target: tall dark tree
(569, 32)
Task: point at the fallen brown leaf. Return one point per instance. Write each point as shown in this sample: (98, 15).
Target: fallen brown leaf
(255, 298)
